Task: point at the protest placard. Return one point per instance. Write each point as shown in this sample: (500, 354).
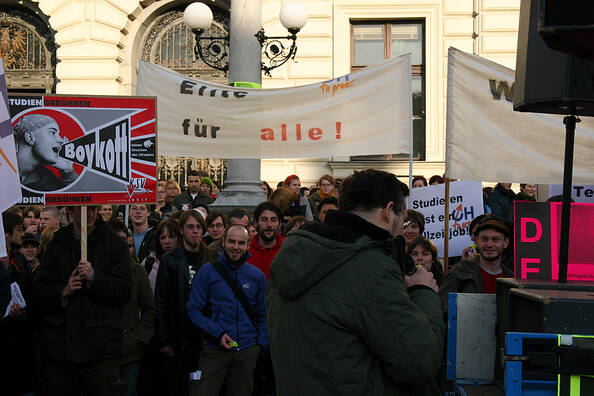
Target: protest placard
(466, 203)
(536, 241)
(582, 193)
(85, 150)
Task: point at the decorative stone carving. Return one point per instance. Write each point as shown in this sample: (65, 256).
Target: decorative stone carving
(28, 50)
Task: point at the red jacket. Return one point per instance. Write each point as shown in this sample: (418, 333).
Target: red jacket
(261, 257)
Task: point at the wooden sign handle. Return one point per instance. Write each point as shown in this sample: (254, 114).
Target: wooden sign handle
(83, 232)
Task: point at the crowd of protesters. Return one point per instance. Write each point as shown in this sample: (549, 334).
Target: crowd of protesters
(301, 298)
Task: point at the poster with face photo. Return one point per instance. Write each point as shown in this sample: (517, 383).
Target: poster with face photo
(85, 150)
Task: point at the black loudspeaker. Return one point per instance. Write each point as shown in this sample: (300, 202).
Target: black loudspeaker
(549, 81)
(568, 27)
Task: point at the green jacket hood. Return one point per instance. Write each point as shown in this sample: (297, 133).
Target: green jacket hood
(309, 254)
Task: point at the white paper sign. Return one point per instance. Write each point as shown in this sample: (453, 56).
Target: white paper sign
(466, 203)
(3, 252)
(582, 193)
(17, 297)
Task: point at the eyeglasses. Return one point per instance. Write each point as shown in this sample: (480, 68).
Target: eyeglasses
(193, 227)
(325, 184)
(221, 225)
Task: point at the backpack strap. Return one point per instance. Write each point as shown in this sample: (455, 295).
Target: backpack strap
(237, 291)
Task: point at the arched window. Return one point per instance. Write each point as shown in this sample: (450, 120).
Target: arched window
(170, 43)
(28, 51)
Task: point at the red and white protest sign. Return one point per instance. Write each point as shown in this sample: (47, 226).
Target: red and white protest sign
(85, 150)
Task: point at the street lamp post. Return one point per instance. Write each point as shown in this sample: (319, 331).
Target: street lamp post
(246, 42)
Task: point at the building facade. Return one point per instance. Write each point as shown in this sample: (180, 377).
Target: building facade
(92, 48)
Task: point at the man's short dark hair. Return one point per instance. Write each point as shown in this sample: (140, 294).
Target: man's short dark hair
(237, 213)
(213, 216)
(370, 189)
(193, 172)
(327, 201)
(436, 179)
(10, 221)
(117, 226)
(267, 205)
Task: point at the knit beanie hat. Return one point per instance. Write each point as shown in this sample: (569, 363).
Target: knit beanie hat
(207, 180)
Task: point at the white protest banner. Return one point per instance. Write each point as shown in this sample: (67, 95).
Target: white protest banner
(487, 140)
(466, 203)
(582, 193)
(366, 112)
(9, 173)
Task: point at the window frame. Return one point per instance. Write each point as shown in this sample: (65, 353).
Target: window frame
(417, 70)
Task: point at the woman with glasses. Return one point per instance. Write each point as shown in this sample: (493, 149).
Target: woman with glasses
(163, 207)
(326, 190)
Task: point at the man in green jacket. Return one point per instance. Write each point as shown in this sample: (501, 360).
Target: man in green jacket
(343, 318)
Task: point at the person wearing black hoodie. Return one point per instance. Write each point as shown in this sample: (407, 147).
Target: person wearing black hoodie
(80, 304)
(179, 341)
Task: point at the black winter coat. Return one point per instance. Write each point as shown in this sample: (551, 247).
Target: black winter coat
(87, 326)
(186, 199)
(172, 291)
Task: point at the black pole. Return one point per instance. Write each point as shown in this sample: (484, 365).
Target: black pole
(569, 122)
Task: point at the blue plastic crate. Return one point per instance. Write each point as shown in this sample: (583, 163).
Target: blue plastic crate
(515, 385)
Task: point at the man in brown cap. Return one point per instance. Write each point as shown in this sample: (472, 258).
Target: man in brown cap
(479, 274)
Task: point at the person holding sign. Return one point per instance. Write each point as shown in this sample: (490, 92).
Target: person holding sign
(479, 274)
(17, 375)
(80, 304)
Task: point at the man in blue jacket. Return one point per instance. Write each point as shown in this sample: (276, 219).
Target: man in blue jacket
(233, 339)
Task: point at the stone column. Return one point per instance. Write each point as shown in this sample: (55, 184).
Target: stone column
(242, 185)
